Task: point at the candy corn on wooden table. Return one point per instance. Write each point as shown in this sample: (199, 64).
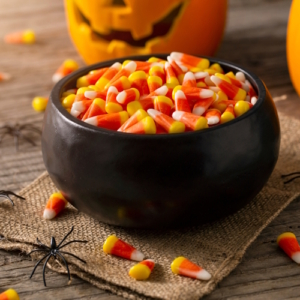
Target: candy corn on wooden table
(254, 38)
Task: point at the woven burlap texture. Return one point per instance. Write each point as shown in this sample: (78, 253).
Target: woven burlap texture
(218, 247)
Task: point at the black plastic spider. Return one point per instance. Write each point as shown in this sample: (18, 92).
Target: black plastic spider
(55, 251)
(7, 194)
(18, 132)
(291, 174)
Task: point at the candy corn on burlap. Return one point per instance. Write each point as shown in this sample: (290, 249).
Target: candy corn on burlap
(216, 247)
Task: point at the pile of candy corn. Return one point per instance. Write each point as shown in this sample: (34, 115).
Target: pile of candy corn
(184, 93)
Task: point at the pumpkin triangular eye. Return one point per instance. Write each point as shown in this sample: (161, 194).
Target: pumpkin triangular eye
(118, 3)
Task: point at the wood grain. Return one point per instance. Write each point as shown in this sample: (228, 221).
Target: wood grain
(254, 38)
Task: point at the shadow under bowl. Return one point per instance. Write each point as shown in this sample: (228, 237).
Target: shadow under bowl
(151, 181)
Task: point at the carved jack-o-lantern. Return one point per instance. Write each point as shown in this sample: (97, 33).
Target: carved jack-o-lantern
(105, 29)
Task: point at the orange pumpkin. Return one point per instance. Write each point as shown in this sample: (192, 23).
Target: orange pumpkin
(106, 29)
(293, 44)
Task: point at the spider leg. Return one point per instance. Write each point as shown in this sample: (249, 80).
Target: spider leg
(44, 268)
(16, 139)
(48, 254)
(64, 252)
(292, 179)
(290, 174)
(30, 127)
(43, 245)
(7, 197)
(65, 237)
(27, 139)
(36, 250)
(66, 264)
(17, 196)
(75, 241)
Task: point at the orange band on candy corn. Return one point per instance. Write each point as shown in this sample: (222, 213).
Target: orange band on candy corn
(125, 71)
(110, 121)
(145, 126)
(191, 60)
(168, 124)
(182, 266)
(97, 108)
(171, 77)
(145, 104)
(138, 80)
(154, 82)
(181, 103)
(287, 241)
(202, 105)
(115, 246)
(158, 71)
(232, 91)
(128, 96)
(138, 116)
(177, 69)
(91, 78)
(190, 120)
(213, 116)
(108, 75)
(189, 80)
(163, 104)
(55, 205)
(142, 270)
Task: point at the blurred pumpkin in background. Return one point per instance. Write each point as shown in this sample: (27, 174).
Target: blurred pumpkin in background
(106, 29)
(293, 44)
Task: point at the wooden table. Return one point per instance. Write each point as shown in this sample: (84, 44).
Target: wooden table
(255, 38)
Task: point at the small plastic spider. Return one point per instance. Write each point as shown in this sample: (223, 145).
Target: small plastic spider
(7, 194)
(291, 174)
(55, 250)
(18, 132)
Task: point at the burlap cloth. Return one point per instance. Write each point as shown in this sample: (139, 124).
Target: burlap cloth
(218, 247)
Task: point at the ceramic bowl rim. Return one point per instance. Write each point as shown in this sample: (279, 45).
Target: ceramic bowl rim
(57, 91)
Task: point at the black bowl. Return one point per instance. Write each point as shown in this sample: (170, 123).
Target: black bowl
(161, 180)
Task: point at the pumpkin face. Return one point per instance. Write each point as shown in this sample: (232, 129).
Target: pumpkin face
(106, 29)
(293, 44)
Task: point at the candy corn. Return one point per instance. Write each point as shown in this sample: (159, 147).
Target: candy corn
(158, 71)
(112, 105)
(190, 120)
(191, 60)
(108, 75)
(166, 122)
(287, 241)
(145, 104)
(189, 80)
(241, 107)
(182, 266)
(138, 80)
(142, 270)
(177, 69)
(154, 82)
(55, 205)
(213, 116)
(9, 294)
(22, 37)
(181, 103)
(39, 103)
(145, 126)
(128, 95)
(67, 67)
(125, 71)
(80, 107)
(94, 94)
(171, 77)
(110, 121)
(91, 78)
(232, 91)
(228, 114)
(4, 76)
(97, 108)
(138, 116)
(201, 106)
(163, 104)
(117, 247)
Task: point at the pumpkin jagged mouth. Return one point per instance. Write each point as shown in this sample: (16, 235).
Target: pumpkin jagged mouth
(159, 29)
